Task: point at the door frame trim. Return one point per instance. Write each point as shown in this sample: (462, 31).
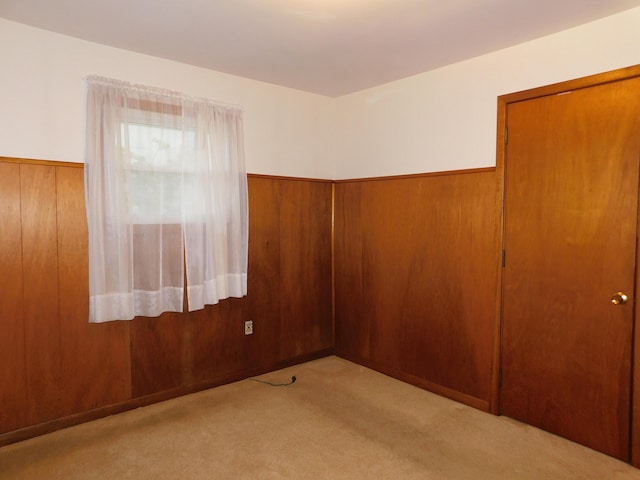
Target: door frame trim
(503, 102)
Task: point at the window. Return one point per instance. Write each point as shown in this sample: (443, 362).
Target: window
(153, 167)
(165, 187)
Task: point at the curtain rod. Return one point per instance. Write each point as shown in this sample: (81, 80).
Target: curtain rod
(110, 82)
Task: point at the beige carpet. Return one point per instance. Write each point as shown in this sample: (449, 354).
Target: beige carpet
(338, 421)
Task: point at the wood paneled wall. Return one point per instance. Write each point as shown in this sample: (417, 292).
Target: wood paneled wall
(415, 280)
(416, 277)
(56, 369)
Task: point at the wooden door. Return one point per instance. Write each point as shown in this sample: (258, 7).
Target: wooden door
(571, 196)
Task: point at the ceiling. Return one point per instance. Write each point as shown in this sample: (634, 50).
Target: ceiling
(329, 47)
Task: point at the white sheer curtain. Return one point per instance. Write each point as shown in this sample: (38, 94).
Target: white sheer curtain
(165, 187)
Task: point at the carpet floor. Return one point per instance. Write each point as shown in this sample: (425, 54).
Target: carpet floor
(339, 420)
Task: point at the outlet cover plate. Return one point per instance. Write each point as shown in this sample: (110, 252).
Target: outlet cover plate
(248, 327)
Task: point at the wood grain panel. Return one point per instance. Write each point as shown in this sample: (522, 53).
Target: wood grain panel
(353, 337)
(390, 219)
(13, 393)
(305, 262)
(40, 284)
(216, 341)
(159, 358)
(428, 277)
(95, 357)
(264, 296)
(449, 312)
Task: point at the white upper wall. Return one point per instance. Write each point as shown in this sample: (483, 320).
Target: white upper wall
(445, 119)
(436, 121)
(42, 102)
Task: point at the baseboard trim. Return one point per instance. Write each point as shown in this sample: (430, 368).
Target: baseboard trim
(449, 393)
(113, 409)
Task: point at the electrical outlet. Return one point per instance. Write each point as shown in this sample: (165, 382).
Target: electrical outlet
(248, 327)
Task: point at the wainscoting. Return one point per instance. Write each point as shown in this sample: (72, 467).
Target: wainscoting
(56, 369)
(398, 274)
(416, 278)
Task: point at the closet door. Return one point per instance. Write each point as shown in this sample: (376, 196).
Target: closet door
(571, 199)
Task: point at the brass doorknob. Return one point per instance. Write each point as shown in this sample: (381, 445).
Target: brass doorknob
(619, 298)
